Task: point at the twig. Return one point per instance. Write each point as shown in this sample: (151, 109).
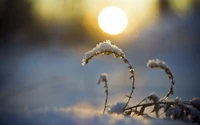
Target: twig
(106, 91)
(150, 104)
(131, 70)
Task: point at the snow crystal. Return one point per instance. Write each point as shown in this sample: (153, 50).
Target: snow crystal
(155, 63)
(105, 46)
(117, 108)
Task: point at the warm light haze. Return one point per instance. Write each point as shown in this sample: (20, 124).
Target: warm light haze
(112, 20)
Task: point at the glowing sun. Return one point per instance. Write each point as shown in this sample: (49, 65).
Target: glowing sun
(112, 20)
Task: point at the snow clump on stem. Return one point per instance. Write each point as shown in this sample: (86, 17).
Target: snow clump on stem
(103, 48)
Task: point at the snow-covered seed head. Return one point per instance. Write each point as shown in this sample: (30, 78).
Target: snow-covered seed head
(103, 48)
(103, 78)
(156, 63)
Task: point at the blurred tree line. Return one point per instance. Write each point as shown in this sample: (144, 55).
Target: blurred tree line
(19, 21)
(20, 24)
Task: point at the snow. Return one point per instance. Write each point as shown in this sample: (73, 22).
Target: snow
(117, 108)
(76, 116)
(105, 46)
(156, 63)
(177, 99)
(103, 78)
(194, 115)
(153, 96)
(173, 110)
(195, 101)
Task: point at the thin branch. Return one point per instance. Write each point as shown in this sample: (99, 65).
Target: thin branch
(151, 104)
(131, 70)
(171, 77)
(106, 91)
(144, 114)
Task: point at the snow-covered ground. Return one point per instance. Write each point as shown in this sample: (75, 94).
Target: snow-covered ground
(76, 116)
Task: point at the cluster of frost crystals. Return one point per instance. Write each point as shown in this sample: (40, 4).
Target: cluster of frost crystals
(153, 96)
(156, 63)
(101, 48)
(117, 108)
(103, 78)
(196, 102)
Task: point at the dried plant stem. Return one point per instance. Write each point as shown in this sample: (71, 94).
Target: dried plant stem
(106, 100)
(156, 63)
(131, 70)
(142, 100)
(144, 114)
(106, 48)
(168, 94)
(153, 103)
(170, 76)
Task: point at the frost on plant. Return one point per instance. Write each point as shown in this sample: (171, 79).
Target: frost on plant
(156, 63)
(153, 97)
(176, 109)
(103, 78)
(102, 48)
(106, 48)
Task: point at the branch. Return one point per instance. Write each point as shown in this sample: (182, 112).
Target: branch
(131, 70)
(106, 91)
(153, 103)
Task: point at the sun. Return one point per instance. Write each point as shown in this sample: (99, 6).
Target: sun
(112, 20)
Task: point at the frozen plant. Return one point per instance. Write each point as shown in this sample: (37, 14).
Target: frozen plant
(156, 63)
(177, 109)
(106, 48)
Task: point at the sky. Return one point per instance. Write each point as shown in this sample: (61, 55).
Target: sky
(40, 67)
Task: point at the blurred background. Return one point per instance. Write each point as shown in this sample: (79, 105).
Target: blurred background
(42, 43)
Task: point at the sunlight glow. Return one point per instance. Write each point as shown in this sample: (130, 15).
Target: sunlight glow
(112, 20)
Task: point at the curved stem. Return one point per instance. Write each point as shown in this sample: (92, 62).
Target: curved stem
(170, 75)
(131, 70)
